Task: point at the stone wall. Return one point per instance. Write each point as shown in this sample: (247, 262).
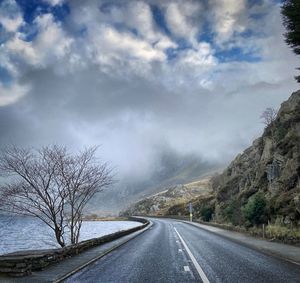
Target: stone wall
(23, 263)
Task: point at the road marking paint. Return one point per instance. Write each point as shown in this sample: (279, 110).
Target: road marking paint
(180, 250)
(196, 264)
(186, 268)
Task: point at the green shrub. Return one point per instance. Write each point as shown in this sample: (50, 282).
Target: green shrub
(280, 132)
(231, 212)
(206, 213)
(255, 208)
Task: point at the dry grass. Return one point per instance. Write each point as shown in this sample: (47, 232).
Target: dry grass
(273, 232)
(283, 233)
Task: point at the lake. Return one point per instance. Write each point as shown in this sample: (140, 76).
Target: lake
(26, 233)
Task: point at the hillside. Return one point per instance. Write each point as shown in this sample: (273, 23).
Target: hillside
(269, 169)
(159, 204)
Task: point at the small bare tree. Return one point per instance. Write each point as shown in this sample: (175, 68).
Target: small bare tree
(82, 176)
(268, 116)
(52, 185)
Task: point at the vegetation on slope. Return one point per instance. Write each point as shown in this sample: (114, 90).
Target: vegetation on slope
(179, 195)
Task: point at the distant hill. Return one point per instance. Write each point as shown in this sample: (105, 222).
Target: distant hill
(172, 170)
(160, 203)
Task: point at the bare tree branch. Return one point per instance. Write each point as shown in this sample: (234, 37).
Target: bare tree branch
(268, 116)
(52, 185)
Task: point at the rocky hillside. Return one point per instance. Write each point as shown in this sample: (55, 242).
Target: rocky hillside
(160, 203)
(268, 173)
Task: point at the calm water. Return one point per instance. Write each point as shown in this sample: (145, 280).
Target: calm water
(27, 233)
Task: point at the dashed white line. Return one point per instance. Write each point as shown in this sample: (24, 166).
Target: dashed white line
(180, 250)
(196, 264)
(186, 268)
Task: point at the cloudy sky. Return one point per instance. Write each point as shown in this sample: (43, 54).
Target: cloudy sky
(140, 77)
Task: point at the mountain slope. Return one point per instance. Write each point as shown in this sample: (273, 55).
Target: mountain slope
(270, 167)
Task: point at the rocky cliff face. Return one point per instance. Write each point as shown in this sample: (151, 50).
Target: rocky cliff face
(270, 166)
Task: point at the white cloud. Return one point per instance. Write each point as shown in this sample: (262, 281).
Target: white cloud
(11, 25)
(227, 17)
(54, 2)
(129, 46)
(10, 95)
(10, 15)
(50, 45)
(52, 42)
(23, 49)
(201, 56)
(138, 15)
(183, 18)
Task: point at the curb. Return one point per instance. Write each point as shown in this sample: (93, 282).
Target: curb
(67, 275)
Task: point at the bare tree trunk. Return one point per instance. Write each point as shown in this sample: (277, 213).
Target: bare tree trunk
(59, 237)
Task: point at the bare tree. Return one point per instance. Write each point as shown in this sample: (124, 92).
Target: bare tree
(268, 116)
(52, 185)
(82, 176)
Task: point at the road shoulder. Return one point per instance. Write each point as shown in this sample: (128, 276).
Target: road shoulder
(282, 251)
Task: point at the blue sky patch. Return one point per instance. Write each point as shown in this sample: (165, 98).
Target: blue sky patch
(236, 54)
(32, 8)
(5, 77)
(159, 19)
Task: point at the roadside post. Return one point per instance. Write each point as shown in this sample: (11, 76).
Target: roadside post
(191, 211)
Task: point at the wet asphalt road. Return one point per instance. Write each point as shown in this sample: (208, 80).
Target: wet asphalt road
(159, 255)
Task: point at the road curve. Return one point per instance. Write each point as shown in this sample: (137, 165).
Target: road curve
(173, 251)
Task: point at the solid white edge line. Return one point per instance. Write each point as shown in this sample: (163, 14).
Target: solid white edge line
(196, 264)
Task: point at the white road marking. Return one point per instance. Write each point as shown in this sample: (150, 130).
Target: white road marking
(180, 250)
(186, 268)
(196, 264)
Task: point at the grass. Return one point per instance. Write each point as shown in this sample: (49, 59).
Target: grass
(283, 233)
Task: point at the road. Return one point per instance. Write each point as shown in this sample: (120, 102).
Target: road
(173, 251)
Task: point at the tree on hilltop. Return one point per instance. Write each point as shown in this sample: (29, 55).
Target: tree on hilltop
(268, 116)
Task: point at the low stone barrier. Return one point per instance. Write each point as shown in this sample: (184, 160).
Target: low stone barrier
(23, 263)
